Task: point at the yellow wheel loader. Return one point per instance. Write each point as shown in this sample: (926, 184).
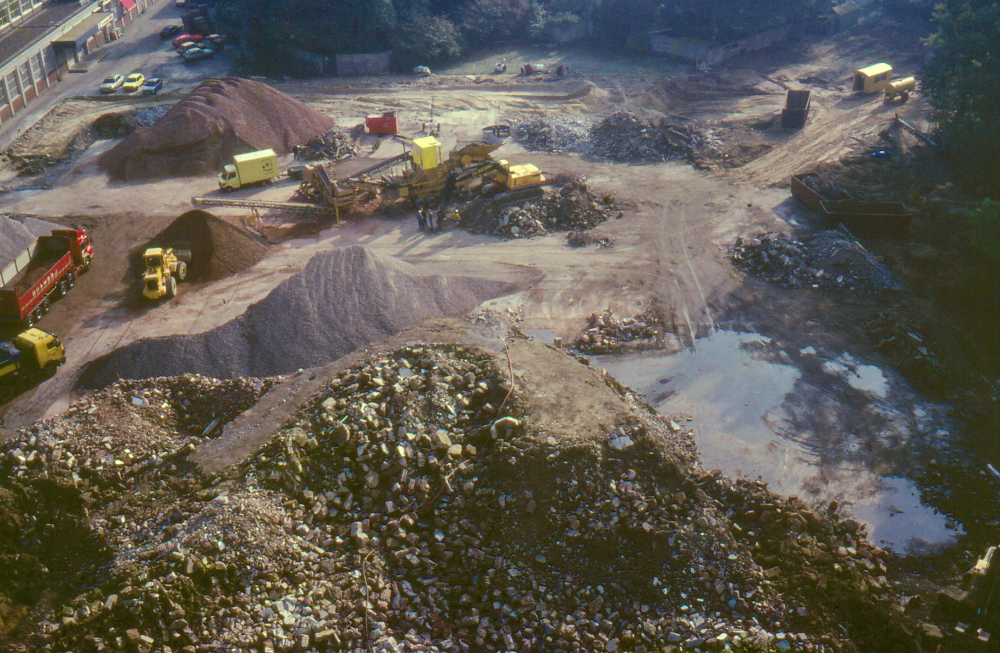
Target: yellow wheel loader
(165, 268)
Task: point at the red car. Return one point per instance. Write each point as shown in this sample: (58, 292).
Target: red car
(186, 38)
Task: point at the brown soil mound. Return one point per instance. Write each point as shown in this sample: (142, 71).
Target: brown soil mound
(220, 118)
(218, 249)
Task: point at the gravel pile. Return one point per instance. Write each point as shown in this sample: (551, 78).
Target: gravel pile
(625, 137)
(218, 249)
(220, 118)
(606, 334)
(342, 300)
(14, 238)
(568, 205)
(334, 145)
(828, 259)
(120, 124)
(413, 505)
(553, 134)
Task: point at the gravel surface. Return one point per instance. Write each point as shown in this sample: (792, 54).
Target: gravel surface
(343, 299)
(220, 118)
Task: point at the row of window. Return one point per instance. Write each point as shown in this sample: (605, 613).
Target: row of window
(15, 8)
(31, 71)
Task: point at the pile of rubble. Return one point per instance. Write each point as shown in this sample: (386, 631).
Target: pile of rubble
(333, 145)
(414, 504)
(552, 134)
(571, 206)
(828, 259)
(625, 137)
(606, 334)
(585, 238)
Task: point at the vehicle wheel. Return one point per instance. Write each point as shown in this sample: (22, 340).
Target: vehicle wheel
(182, 271)
(171, 287)
(86, 264)
(31, 319)
(904, 96)
(419, 203)
(44, 307)
(227, 189)
(431, 201)
(70, 279)
(62, 287)
(49, 370)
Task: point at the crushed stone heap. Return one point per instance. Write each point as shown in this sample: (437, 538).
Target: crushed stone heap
(219, 118)
(417, 502)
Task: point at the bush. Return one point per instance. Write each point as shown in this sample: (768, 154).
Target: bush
(426, 41)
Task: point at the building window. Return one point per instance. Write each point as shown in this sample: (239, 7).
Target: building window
(48, 61)
(25, 74)
(3, 96)
(4, 17)
(14, 9)
(13, 85)
(25, 6)
(36, 66)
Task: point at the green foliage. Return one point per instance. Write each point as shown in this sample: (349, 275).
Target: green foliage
(963, 84)
(426, 40)
(984, 227)
(486, 22)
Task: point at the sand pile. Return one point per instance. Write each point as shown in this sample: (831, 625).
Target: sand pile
(220, 118)
(16, 235)
(218, 249)
(342, 300)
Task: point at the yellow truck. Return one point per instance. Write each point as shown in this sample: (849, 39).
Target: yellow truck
(31, 356)
(165, 268)
(258, 167)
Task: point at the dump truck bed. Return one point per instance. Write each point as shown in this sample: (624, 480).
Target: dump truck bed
(877, 219)
(812, 188)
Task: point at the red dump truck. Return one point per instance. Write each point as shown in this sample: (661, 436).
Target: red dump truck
(45, 271)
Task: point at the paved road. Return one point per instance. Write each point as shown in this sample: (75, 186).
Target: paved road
(139, 50)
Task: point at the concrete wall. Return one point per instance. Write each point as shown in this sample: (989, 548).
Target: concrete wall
(363, 64)
(707, 53)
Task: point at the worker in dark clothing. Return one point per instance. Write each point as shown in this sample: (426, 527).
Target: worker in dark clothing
(421, 223)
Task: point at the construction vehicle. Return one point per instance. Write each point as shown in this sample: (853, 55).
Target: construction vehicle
(258, 167)
(872, 79)
(900, 88)
(46, 270)
(29, 357)
(165, 268)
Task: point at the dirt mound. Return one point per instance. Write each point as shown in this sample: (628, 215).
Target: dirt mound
(14, 237)
(571, 206)
(220, 118)
(343, 299)
(828, 259)
(420, 496)
(218, 249)
(626, 137)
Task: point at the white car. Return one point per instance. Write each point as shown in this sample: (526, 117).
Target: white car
(112, 84)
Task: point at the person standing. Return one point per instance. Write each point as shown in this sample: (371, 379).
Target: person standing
(429, 218)
(421, 223)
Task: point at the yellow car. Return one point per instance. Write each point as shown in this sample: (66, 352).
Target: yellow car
(133, 82)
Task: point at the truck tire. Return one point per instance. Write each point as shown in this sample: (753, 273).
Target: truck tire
(44, 307)
(171, 287)
(30, 319)
(904, 96)
(182, 271)
(86, 264)
(227, 189)
(70, 279)
(431, 201)
(49, 370)
(62, 288)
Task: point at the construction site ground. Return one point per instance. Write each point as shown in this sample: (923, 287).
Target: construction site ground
(779, 384)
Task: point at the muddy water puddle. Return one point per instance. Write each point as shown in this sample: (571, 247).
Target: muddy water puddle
(816, 424)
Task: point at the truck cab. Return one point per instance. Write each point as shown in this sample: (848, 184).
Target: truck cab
(32, 355)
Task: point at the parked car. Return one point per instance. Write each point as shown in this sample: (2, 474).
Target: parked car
(186, 38)
(171, 30)
(134, 82)
(197, 54)
(152, 85)
(112, 83)
(184, 47)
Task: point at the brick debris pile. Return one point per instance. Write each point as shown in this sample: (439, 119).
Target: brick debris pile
(607, 334)
(221, 117)
(588, 237)
(412, 505)
(568, 205)
(623, 136)
(553, 134)
(827, 259)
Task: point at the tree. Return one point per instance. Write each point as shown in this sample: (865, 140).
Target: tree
(963, 85)
(426, 40)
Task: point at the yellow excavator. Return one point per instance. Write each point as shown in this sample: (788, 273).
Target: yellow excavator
(165, 268)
